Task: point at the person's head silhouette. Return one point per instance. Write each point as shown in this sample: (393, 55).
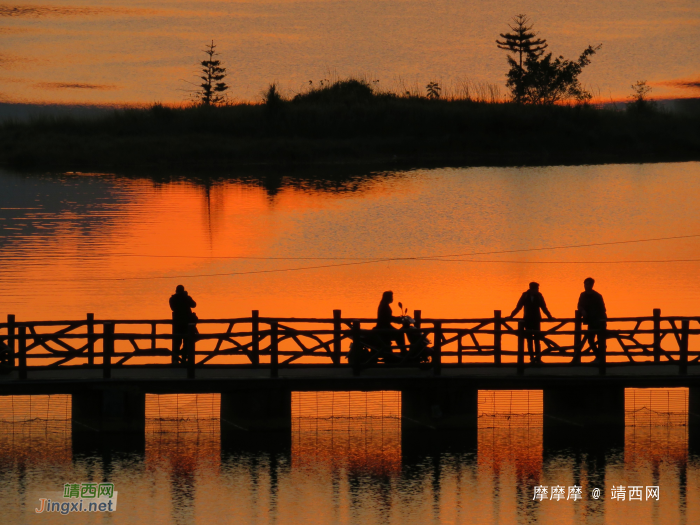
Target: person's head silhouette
(588, 283)
(179, 289)
(388, 297)
(534, 287)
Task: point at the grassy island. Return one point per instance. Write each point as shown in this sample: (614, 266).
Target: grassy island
(349, 121)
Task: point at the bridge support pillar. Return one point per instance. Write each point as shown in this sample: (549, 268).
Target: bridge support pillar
(579, 407)
(264, 409)
(113, 410)
(694, 418)
(451, 406)
(583, 416)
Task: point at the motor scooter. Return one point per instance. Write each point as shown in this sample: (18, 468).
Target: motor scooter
(376, 346)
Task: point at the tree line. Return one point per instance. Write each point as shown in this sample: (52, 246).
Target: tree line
(534, 76)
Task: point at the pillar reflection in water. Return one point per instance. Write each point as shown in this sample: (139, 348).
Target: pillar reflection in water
(35, 444)
(359, 432)
(183, 449)
(656, 451)
(35, 430)
(353, 439)
(509, 450)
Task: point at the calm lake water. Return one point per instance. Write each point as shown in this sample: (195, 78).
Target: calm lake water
(305, 243)
(351, 471)
(145, 51)
(293, 245)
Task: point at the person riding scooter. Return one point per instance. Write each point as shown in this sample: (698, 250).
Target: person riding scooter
(385, 318)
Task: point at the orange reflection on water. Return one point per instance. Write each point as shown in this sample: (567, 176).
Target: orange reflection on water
(183, 432)
(423, 213)
(656, 426)
(35, 430)
(183, 453)
(355, 431)
(32, 447)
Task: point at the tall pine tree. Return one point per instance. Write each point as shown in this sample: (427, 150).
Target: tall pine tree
(212, 86)
(521, 42)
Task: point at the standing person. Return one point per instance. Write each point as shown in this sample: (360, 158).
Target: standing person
(532, 302)
(384, 319)
(181, 304)
(592, 308)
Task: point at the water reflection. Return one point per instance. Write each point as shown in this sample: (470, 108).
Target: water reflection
(356, 432)
(117, 245)
(192, 478)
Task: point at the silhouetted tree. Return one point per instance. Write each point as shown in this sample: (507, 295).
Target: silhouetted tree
(545, 81)
(639, 99)
(536, 78)
(212, 76)
(433, 90)
(521, 42)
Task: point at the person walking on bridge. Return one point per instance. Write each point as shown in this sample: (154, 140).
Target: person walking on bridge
(592, 308)
(181, 304)
(531, 302)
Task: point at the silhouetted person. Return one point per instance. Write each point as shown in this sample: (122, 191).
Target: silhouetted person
(181, 304)
(532, 302)
(384, 319)
(592, 308)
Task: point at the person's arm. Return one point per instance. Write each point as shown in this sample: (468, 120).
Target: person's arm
(544, 307)
(519, 306)
(603, 311)
(584, 303)
(191, 302)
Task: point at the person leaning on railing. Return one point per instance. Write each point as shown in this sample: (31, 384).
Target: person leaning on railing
(532, 301)
(592, 309)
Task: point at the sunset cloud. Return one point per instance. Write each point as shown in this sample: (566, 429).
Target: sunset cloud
(75, 85)
(36, 11)
(688, 83)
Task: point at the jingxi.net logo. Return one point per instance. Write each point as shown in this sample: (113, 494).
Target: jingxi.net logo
(80, 497)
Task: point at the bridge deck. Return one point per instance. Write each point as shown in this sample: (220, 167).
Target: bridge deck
(173, 380)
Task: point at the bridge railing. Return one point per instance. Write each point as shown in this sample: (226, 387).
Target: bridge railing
(277, 343)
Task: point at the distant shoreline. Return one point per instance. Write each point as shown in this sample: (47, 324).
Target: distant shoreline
(350, 129)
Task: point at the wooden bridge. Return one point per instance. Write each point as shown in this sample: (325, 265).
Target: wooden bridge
(256, 362)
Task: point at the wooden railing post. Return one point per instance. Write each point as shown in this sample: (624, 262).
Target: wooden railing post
(578, 337)
(274, 350)
(497, 337)
(417, 318)
(22, 340)
(685, 333)
(91, 338)
(153, 335)
(107, 349)
(437, 349)
(355, 341)
(336, 338)
(521, 348)
(657, 335)
(190, 345)
(11, 339)
(255, 323)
